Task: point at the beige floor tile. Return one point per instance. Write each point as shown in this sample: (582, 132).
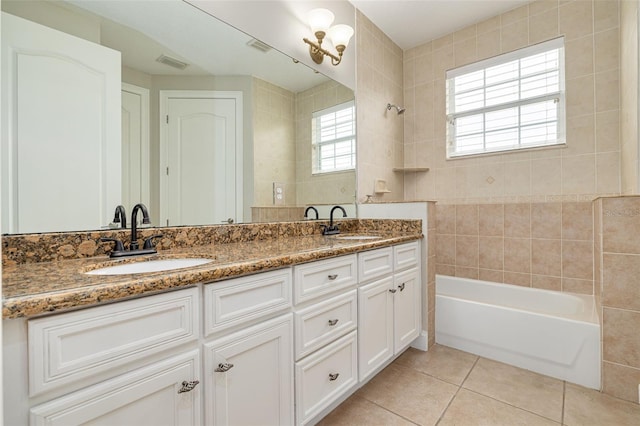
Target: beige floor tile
(469, 408)
(359, 411)
(584, 406)
(524, 389)
(450, 365)
(415, 396)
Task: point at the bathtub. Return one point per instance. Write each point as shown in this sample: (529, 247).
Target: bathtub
(551, 333)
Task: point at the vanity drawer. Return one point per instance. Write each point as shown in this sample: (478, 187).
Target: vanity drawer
(79, 345)
(324, 376)
(245, 299)
(324, 277)
(323, 322)
(406, 255)
(375, 264)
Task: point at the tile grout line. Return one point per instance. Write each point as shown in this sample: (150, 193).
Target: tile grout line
(388, 410)
(457, 392)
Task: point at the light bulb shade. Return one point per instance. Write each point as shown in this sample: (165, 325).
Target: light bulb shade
(320, 20)
(340, 35)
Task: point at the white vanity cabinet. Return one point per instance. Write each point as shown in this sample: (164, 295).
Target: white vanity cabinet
(326, 337)
(133, 362)
(248, 353)
(389, 301)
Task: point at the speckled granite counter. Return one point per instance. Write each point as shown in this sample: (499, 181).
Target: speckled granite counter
(31, 289)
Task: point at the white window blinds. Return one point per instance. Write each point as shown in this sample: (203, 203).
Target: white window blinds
(334, 138)
(509, 102)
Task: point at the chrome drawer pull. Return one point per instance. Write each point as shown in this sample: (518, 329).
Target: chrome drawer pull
(332, 277)
(401, 286)
(333, 322)
(392, 290)
(188, 386)
(223, 367)
(333, 377)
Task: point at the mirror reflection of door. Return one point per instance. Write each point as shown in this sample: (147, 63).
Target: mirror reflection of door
(200, 176)
(135, 146)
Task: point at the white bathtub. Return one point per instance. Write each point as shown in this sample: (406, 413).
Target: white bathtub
(552, 333)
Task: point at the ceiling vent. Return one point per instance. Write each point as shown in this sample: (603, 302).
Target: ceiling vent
(257, 44)
(172, 62)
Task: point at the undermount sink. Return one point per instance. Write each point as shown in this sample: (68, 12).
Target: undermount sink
(357, 237)
(149, 266)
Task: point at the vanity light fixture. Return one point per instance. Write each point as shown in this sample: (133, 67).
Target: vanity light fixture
(320, 21)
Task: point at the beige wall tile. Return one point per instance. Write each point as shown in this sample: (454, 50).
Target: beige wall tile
(620, 337)
(446, 249)
(488, 44)
(465, 33)
(579, 57)
(605, 14)
(488, 25)
(517, 278)
(621, 381)
(607, 85)
(546, 282)
(449, 270)
(607, 48)
(517, 220)
(442, 61)
(467, 219)
(546, 176)
(608, 131)
(491, 220)
(546, 257)
(621, 281)
(543, 26)
(580, 98)
(620, 219)
(514, 36)
(579, 174)
(577, 221)
(466, 251)
(491, 275)
(519, 177)
(465, 52)
(574, 285)
(491, 253)
(608, 173)
(446, 218)
(540, 6)
(576, 19)
(546, 220)
(464, 272)
(577, 259)
(580, 136)
(514, 15)
(517, 255)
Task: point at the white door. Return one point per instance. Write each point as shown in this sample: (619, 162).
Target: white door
(202, 162)
(375, 325)
(60, 130)
(153, 395)
(249, 376)
(406, 307)
(135, 146)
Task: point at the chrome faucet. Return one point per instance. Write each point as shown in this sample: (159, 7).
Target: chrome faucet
(311, 208)
(148, 248)
(120, 217)
(333, 229)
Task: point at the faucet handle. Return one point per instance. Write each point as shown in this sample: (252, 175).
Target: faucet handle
(118, 246)
(148, 243)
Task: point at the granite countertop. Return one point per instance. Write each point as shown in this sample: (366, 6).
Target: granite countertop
(38, 288)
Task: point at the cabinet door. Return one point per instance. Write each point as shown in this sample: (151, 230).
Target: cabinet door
(249, 376)
(148, 396)
(375, 325)
(406, 301)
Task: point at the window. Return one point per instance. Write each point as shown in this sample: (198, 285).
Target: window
(334, 138)
(513, 101)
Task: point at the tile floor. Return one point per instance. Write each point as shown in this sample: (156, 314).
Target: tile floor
(445, 386)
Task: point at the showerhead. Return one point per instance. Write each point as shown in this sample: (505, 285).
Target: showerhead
(399, 110)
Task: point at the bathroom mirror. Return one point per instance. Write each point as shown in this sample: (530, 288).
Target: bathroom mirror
(273, 179)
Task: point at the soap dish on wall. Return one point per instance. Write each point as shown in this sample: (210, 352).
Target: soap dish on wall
(380, 186)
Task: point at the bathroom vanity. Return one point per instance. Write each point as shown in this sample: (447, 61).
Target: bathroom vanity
(276, 331)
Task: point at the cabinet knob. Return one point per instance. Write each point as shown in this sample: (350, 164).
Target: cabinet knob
(223, 367)
(332, 277)
(401, 286)
(188, 386)
(392, 290)
(333, 376)
(333, 322)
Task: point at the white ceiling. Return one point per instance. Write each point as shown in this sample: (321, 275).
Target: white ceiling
(410, 23)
